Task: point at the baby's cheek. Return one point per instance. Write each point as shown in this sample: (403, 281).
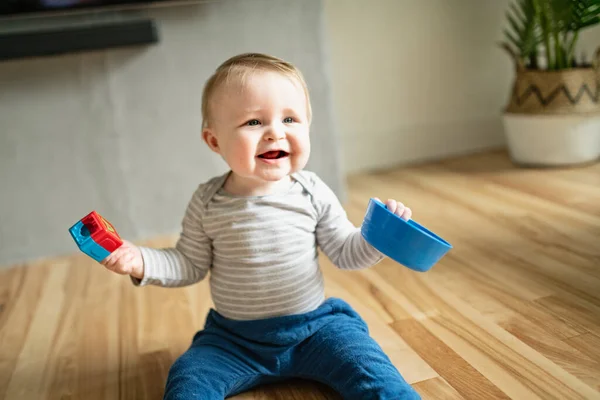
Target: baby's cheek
(242, 153)
(300, 145)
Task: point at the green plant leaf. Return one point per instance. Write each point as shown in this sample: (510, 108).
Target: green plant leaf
(584, 13)
(512, 39)
(524, 33)
(555, 24)
(513, 23)
(517, 12)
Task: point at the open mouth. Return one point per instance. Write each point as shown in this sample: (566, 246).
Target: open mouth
(273, 155)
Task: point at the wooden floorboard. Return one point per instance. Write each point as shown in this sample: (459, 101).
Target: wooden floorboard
(513, 311)
(437, 388)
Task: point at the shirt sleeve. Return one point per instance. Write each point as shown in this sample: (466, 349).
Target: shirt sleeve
(337, 237)
(189, 261)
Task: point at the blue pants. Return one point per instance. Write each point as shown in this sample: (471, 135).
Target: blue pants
(330, 344)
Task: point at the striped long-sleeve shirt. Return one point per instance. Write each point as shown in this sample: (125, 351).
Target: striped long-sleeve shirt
(261, 251)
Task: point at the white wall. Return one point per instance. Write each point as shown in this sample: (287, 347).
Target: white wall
(118, 130)
(418, 79)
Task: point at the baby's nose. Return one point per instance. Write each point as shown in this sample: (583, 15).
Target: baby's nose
(275, 133)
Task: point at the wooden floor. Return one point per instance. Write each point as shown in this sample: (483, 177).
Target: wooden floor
(513, 311)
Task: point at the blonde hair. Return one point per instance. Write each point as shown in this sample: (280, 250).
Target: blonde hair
(239, 66)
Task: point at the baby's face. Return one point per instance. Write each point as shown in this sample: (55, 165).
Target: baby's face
(261, 128)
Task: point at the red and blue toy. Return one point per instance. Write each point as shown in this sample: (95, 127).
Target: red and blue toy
(95, 236)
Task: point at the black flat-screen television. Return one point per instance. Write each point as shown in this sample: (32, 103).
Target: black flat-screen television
(45, 7)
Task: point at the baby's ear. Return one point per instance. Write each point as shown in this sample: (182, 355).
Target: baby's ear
(211, 140)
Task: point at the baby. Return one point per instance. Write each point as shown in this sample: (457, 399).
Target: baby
(256, 229)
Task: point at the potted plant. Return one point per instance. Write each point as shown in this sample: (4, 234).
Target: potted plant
(553, 115)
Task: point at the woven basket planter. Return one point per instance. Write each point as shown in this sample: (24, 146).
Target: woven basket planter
(553, 117)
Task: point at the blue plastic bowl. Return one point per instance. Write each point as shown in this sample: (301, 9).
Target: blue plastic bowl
(405, 242)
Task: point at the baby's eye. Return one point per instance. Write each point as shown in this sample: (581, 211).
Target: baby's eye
(253, 122)
(288, 120)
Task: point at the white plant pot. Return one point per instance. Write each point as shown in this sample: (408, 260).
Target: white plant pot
(552, 140)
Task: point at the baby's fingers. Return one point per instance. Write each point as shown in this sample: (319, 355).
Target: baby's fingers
(407, 214)
(127, 261)
(392, 205)
(111, 264)
(115, 262)
(402, 211)
(109, 260)
(397, 208)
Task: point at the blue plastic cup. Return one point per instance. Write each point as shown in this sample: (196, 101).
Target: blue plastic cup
(405, 242)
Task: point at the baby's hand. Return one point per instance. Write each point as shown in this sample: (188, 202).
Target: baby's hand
(398, 208)
(126, 260)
